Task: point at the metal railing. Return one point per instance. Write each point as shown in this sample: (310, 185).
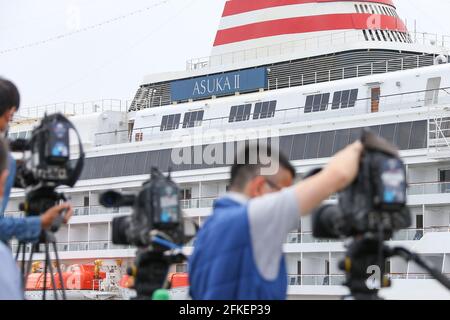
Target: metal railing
(79, 246)
(403, 101)
(412, 276)
(312, 43)
(361, 70)
(69, 108)
(412, 234)
(429, 188)
(99, 210)
(198, 203)
(316, 280)
(339, 279)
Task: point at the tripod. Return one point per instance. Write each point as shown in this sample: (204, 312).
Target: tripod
(47, 239)
(365, 253)
(150, 271)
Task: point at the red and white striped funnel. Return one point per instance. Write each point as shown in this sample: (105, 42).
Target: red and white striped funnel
(250, 24)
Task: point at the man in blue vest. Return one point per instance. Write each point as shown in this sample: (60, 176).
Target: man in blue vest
(24, 229)
(238, 253)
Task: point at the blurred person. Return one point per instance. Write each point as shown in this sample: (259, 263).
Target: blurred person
(238, 254)
(23, 229)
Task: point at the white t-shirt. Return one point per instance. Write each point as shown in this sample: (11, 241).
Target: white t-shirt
(271, 218)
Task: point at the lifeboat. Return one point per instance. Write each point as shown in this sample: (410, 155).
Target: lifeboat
(176, 280)
(77, 277)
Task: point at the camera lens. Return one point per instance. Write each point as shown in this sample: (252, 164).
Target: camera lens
(325, 221)
(120, 227)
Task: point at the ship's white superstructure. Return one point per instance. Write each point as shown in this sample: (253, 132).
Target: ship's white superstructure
(351, 65)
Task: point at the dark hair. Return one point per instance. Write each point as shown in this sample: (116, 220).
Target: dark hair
(4, 151)
(246, 168)
(9, 96)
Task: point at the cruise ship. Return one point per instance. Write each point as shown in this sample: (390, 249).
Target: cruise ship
(308, 74)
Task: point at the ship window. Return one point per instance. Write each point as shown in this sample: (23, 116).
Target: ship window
(357, 8)
(362, 8)
(170, 122)
(383, 34)
(372, 9)
(344, 99)
(336, 100)
(303, 146)
(139, 137)
(385, 11)
(265, 110)
(353, 98)
(186, 194)
(240, 113)
(318, 102)
(193, 119)
(371, 35)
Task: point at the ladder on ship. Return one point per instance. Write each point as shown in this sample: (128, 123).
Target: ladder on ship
(439, 134)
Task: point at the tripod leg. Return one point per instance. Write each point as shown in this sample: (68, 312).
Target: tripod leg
(58, 267)
(45, 272)
(19, 249)
(52, 275)
(28, 270)
(22, 265)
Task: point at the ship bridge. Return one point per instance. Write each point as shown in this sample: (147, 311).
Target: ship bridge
(284, 43)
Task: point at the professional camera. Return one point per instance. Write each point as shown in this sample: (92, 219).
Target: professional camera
(156, 226)
(375, 202)
(46, 165)
(369, 212)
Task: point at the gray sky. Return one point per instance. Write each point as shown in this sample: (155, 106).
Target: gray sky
(110, 61)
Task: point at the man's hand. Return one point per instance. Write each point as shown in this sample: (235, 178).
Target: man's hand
(344, 166)
(340, 172)
(51, 214)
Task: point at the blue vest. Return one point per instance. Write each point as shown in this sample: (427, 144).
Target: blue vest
(222, 265)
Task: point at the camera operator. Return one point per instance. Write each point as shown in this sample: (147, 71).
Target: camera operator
(238, 253)
(24, 229)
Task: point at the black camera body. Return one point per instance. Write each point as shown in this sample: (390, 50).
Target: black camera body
(48, 160)
(376, 201)
(155, 226)
(155, 208)
(46, 165)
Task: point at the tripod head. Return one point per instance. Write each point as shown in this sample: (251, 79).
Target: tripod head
(151, 270)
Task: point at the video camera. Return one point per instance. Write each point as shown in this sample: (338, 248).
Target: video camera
(375, 202)
(46, 165)
(155, 226)
(369, 212)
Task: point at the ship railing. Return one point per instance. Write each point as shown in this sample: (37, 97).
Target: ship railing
(412, 234)
(69, 108)
(316, 280)
(312, 43)
(361, 70)
(429, 188)
(78, 246)
(99, 210)
(412, 276)
(197, 203)
(339, 279)
(403, 101)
